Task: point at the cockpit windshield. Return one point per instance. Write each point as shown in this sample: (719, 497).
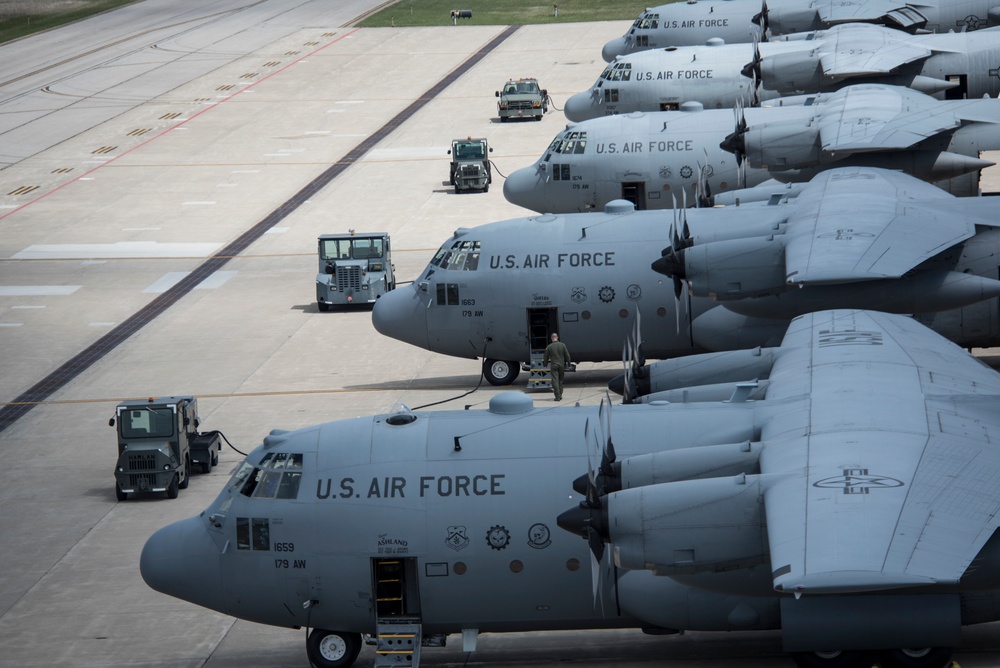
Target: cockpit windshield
(352, 248)
(617, 72)
(462, 255)
(648, 21)
(276, 477)
(569, 142)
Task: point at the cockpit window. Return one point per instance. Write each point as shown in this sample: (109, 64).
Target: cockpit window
(648, 22)
(617, 72)
(276, 477)
(569, 143)
(463, 255)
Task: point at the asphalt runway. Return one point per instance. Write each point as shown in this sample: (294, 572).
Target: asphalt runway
(149, 156)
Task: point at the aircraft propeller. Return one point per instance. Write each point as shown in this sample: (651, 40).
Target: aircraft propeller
(735, 143)
(590, 518)
(752, 71)
(703, 189)
(762, 19)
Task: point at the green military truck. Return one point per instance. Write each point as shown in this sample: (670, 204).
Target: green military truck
(159, 443)
(353, 269)
(523, 98)
(470, 164)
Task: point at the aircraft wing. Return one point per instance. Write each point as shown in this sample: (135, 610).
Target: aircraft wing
(863, 224)
(878, 118)
(859, 49)
(878, 490)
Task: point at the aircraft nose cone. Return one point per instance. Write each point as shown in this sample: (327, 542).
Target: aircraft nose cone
(182, 560)
(581, 107)
(614, 48)
(525, 188)
(402, 315)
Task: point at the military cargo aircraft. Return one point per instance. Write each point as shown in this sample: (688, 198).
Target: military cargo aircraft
(945, 66)
(861, 485)
(645, 157)
(733, 21)
(497, 291)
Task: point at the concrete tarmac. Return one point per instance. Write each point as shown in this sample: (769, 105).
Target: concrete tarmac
(139, 143)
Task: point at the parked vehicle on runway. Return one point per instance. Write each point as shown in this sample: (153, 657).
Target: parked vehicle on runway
(470, 164)
(158, 442)
(523, 98)
(353, 268)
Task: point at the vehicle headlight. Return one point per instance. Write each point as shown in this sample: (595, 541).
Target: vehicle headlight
(376, 266)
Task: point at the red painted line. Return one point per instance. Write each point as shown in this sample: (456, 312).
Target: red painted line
(174, 127)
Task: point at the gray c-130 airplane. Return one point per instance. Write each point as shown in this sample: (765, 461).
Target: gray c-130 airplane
(497, 291)
(945, 66)
(735, 21)
(863, 483)
(645, 157)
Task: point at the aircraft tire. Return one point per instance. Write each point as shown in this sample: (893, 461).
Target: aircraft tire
(332, 649)
(833, 659)
(183, 484)
(119, 494)
(500, 372)
(172, 492)
(926, 657)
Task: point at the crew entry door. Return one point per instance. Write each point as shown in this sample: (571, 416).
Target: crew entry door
(541, 323)
(635, 192)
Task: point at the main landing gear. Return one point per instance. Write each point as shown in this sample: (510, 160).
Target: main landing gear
(925, 657)
(332, 649)
(500, 372)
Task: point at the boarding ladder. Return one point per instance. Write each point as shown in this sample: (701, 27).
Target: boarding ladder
(541, 377)
(398, 635)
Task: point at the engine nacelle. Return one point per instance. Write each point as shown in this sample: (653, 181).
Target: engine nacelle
(692, 526)
(781, 146)
(729, 366)
(736, 268)
(796, 72)
(707, 461)
(789, 17)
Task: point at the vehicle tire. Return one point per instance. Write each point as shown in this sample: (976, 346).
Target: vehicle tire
(538, 118)
(323, 308)
(500, 372)
(215, 458)
(486, 188)
(832, 659)
(119, 494)
(332, 649)
(503, 119)
(924, 657)
(172, 489)
(183, 484)
(206, 467)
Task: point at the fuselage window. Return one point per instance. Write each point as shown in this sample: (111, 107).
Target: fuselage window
(447, 294)
(253, 533)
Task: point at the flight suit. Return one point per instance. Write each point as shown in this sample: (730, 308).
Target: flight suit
(557, 357)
